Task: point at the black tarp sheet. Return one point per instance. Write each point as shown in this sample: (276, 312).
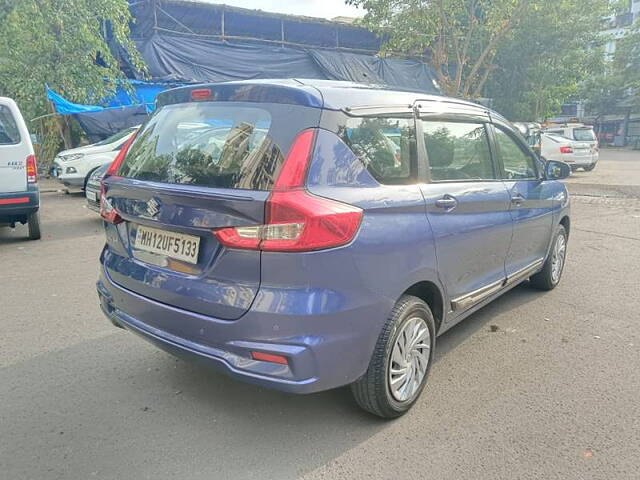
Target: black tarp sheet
(195, 42)
(207, 19)
(172, 57)
(100, 125)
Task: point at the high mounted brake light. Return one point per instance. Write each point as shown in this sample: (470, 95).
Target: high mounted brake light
(201, 94)
(296, 220)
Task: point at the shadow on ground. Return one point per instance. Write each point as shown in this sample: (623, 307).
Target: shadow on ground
(62, 216)
(116, 407)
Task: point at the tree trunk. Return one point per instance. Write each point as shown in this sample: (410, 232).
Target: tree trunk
(65, 131)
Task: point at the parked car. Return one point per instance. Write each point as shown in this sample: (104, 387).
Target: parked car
(19, 194)
(92, 190)
(575, 131)
(575, 154)
(73, 167)
(531, 132)
(321, 255)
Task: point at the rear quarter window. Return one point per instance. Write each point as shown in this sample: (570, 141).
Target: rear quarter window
(9, 133)
(385, 145)
(211, 145)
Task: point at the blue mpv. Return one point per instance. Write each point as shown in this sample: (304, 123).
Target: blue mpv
(306, 234)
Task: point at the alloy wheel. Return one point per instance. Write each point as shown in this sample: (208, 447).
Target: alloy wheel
(557, 258)
(409, 359)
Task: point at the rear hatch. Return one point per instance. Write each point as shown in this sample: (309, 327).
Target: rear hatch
(196, 167)
(582, 149)
(14, 150)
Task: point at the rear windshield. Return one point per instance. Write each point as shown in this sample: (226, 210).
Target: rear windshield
(208, 145)
(584, 134)
(9, 133)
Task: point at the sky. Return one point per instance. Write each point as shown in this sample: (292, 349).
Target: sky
(310, 8)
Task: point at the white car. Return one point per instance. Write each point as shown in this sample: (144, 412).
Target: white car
(575, 131)
(575, 154)
(19, 194)
(74, 167)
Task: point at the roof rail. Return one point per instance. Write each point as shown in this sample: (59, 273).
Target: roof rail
(366, 109)
(449, 100)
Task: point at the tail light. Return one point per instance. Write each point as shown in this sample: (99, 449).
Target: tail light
(566, 150)
(115, 165)
(107, 211)
(296, 221)
(32, 169)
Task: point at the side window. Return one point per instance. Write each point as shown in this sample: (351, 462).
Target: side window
(458, 150)
(385, 145)
(518, 163)
(9, 133)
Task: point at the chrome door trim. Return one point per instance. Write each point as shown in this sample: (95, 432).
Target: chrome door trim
(469, 299)
(524, 272)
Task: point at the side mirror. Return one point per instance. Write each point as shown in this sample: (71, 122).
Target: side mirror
(554, 170)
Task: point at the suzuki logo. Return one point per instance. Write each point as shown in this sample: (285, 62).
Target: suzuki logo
(153, 207)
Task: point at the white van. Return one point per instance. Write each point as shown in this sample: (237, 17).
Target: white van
(19, 194)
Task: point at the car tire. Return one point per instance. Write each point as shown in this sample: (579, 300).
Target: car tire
(33, 221)
(374, 391)
(589, 168)
(549, 277)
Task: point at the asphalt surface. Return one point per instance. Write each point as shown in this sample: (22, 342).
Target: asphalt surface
(535, 385)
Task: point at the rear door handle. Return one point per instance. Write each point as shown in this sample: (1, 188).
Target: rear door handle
(447, 202)
(517, 199)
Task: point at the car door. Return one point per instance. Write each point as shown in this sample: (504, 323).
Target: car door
(467, 207)
(15, 147)
(531, 203)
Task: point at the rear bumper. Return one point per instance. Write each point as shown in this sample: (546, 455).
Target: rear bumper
(72, 181)
(19, 204)
(581, 161)
(324, 350)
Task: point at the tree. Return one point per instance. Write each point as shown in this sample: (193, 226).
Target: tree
(61, 43)
(529, 56)
(615, 88)
(547, 57)
(460, 37)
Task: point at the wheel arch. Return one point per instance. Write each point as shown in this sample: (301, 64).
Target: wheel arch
(431, 294)
(566, 223)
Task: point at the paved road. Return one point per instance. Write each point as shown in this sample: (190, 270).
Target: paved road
(536, 385)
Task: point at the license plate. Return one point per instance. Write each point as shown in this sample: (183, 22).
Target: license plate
(93, 196)
(171, 244)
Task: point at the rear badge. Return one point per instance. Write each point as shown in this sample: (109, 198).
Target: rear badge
(153, 208)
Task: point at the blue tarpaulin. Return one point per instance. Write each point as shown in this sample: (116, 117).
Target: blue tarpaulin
(143, 94)
(115, 113)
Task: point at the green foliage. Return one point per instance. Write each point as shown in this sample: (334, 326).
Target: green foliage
(61, 43)
(528, 55)
(547, 58)
(460, 37)
(614, 90)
